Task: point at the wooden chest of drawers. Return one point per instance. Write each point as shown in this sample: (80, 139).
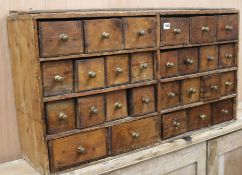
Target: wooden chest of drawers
(94, 84)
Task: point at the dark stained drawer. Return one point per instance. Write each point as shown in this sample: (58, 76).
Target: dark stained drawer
(208, 58)
(228, 83)
(169, 63)
(190, 90)
(227, 55)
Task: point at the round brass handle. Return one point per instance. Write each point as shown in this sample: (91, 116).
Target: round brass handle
(59, 78)
(171, 94)
(229, 28)
(81, 150)
(225, 111)
(105, 35)
(203, 116)
(93, 110)
(170, 64)
(141, 33)
(92, 74)
(228, 55)
(143, 66)
(176, 124)
(189, 61)
(205, 29)
(64, 37)
(211, 58)
(118, 105)
(135, 135)
(62, 116)
(146, 100)
(177, 31)
(214, 87)
(119, 70)
(192, 91)
(228, 83)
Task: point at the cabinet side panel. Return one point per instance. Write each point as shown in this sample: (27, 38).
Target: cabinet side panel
(28, 92)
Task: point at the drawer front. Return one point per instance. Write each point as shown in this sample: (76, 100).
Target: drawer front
(60, 116)
(190, 90)
(228, 83)
(174, 124)
(142, 100)
(132, 135)
(227, 55)
(60, 38)
(208, 58)
(139, 32)
(168, 64)
(142, 67)
(210, 87)
(116, 105)
(89, 74)
(170, 94)
(188, 60)
(57, 77)
(199, 117)
(176, 33)
(73, 150)
(227, 27)
(222, 111)
(203, 29)
(117, 68)
(103, 35)
(91, 110)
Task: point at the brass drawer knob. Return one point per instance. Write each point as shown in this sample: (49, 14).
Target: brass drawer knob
(119, 70)
(203, 116)
(146, 100)
(205, 29)
(189, 61)
(118, 105)
(228, 55)
(105, 35)
(177, 31)
(59, 78)
(211, 58)
(176, 124)
(93, 110)
(135, 135)
(225, 111)
(192, 91)
(143, 66)
(64, 37)
(214, 87)
(81, 150)
(170, 64)
(62, 116)
(141, 33)
(229, 28)
(171, 94)
(92, 74)
(228, 83)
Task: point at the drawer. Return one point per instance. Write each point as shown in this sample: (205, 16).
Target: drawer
(60, 38)
(227, 55)
(132, 135)
(188, 60)
(174, 124)
(210, 87)
(139, 32)
(73, 150)
(116, 105)
(190, 90)
(60, 116)
(170, 94)
(91, 110)
(174, 31)
(89, 74)
(199, 117)
(208, 58)
(222, 111)
(57, 77)
(142, 67)
(103, 35)
(203, 29)
(227, 27)
(228, 83)
(142, 100)
(169, 63)
(117, 68)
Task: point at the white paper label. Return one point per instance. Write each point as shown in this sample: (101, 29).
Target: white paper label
(166, 26)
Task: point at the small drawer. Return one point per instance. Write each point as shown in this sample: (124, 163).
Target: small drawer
(139, 32)
(227, 27)
(117, 68)
(169, 63)
(89, 74)
(60, 38)
(78, 148)
(190, 90)
(135, 134)
(103, 35)
(60, 116)
(174, 31)
(170, 94)
(91, 110)
(57, 77)
(228, 83)
(227, 55)
(174, 124)
(188, 61)
(210, 87)
(222, 111)
(199, 117)
(142, 67)
(116, 105)
(208, 58)
(203, 29)
(142, 100)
